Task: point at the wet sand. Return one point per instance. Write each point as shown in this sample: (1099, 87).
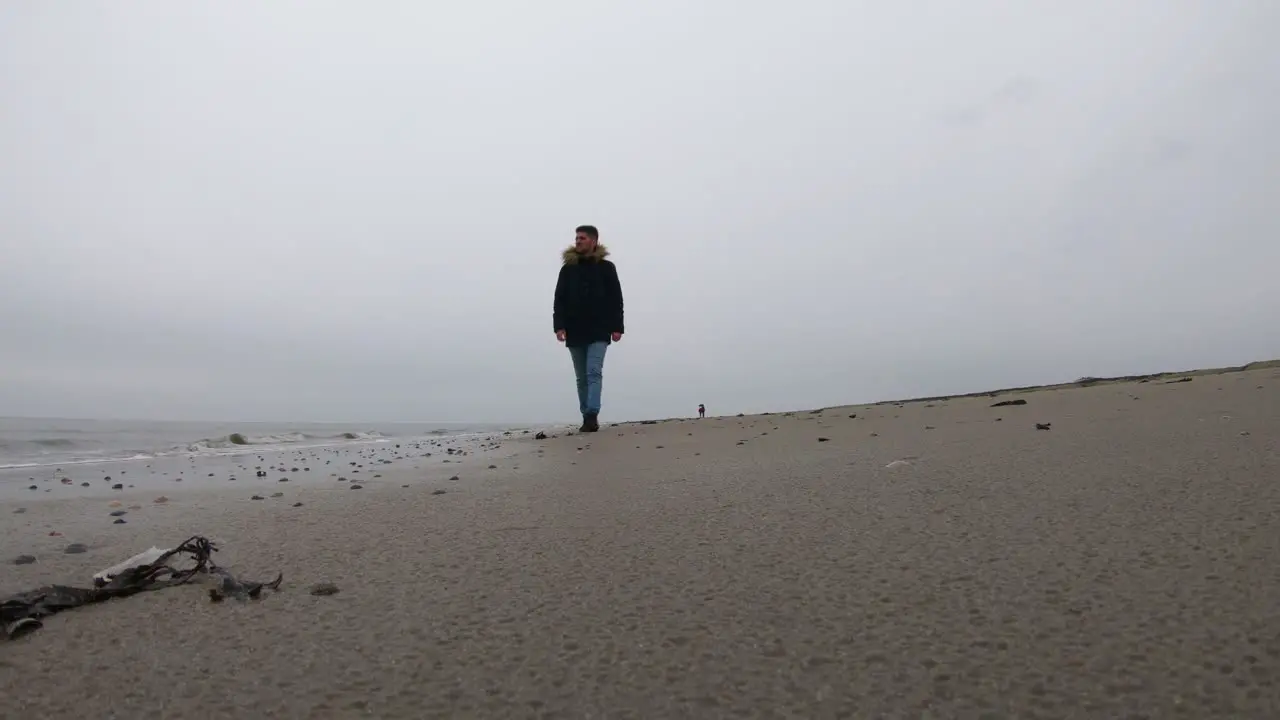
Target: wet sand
(937, 559)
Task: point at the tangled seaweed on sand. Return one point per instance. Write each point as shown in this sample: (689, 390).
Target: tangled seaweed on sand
(22, 613)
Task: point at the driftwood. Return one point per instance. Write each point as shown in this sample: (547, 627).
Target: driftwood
(22, 613)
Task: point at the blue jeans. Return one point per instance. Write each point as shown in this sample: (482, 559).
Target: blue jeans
(588, 365)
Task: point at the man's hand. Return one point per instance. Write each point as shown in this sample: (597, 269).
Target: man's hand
(617, 336)
(560, 335)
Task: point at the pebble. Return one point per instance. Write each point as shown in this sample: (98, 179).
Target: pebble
(279, 494)
(117, 486)
(356, 487)
(454, 478)
(824, 439)
(257, 497)
(119, 521)
(76, 549)
(437, 492)
(321, 589)
(118, 513)
(19, 511)
(297, 504)
(162, 499)
(24, 559)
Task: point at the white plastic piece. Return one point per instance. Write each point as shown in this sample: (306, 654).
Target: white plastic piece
(146, 557)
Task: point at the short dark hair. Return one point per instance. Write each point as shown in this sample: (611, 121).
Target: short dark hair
(589, 230)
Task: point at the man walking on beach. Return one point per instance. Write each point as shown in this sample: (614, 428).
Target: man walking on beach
(588, 316)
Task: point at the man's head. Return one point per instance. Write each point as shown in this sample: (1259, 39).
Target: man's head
(585, 238)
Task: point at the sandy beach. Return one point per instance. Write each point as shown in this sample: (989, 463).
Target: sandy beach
(931, 559)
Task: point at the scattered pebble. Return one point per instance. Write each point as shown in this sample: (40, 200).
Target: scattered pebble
(24, 559)
(161, 499)
(119, 521)
(356, 487)
(118, 513)
(257, 497)
(76, 549)
(437, 492)
(277, 494)
(117, 486)
(321, 589)
(454, 478)
(824, 439)
(19, 511)
(297, 504)
(1043, 426)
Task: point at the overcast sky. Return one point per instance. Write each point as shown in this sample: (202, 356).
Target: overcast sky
(354, 211)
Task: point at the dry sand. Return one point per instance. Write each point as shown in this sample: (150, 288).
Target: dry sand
(1124, 563)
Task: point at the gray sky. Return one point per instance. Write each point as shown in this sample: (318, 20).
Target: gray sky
(354, 211)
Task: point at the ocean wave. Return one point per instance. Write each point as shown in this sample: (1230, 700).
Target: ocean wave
(57, 451)
(243, 440)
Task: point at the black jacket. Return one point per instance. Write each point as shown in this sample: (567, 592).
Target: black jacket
(588, 304)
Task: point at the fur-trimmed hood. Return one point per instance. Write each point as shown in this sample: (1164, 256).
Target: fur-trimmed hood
(571, 255)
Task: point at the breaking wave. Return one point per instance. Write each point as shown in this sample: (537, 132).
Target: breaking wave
(245, 440)
(54, 451)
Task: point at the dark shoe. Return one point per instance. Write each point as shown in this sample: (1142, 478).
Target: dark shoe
(586, 424)
(592, 424)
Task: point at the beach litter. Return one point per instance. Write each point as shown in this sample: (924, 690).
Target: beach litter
(149, 570)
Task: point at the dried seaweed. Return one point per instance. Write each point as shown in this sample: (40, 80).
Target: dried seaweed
(22, 613)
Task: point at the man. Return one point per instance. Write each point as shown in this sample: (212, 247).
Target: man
(702, 411)
(588, 316)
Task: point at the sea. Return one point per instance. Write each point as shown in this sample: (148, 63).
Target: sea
(41, 443)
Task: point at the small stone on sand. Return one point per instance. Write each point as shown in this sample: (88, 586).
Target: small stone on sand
(437, 492)
(324, 589)
(119, 521)
(24, 559)
(76, 549)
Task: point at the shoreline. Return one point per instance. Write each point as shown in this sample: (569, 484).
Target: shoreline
(940, 557)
